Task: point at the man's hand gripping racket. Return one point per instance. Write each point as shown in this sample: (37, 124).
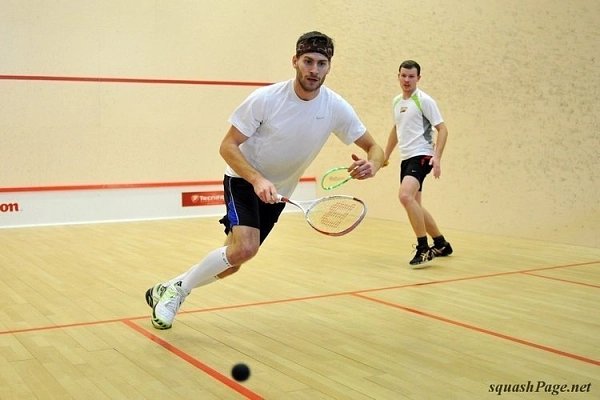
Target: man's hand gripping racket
(336, 177)
(331, 215)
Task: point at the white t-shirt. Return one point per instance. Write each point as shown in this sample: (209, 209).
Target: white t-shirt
(415, 118)
(285, 133)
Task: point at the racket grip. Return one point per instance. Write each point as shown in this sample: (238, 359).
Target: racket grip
(281, 199)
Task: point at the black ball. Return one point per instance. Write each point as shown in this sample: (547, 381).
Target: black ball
(240, 372)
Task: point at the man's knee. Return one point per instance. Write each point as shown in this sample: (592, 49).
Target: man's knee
(242, 251)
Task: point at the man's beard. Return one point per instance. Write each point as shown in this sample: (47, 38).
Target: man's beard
(307, 88)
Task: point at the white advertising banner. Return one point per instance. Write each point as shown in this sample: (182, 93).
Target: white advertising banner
(21, 207)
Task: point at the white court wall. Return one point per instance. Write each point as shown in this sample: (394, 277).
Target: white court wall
(72, 133)
(516, 81)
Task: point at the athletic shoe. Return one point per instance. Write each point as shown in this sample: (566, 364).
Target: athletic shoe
(422, 256)
(443, 251)
(153, 294)
(165, 309)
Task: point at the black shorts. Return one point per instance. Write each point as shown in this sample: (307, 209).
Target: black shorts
(417, 167)
(245, 208)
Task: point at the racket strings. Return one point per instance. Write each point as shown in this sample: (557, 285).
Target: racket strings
(336, 215)
(336, 177)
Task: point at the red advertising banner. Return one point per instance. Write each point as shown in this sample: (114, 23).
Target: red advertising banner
(196, 199)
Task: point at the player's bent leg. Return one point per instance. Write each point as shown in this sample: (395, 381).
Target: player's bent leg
(242, 244)
(229, 271)
(410, 197)
(233, 269)
(409, 189)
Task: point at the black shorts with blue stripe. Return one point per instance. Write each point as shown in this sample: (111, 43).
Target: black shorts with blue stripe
(245, 208)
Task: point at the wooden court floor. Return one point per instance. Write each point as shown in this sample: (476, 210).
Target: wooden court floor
(314, 317)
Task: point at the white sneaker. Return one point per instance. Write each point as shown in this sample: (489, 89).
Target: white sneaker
(153, 294)
(164, 311)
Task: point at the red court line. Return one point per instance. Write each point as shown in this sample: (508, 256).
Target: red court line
(562, 280)
(110, 186)
(351, 292)
(129, 80)
(482, 330)
(61, 326)
(196, 363)
(467, 278)
(304, 298)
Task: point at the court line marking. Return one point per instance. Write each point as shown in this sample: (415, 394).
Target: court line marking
(110, 186)
(480, 330)
(562, 280)
(356, 293)
(294, 299)
(128, 80)
(213, 373)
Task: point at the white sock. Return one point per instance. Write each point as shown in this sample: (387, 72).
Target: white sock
(180, 278)
(206, 271)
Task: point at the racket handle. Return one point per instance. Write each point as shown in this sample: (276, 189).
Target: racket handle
(281, 199)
